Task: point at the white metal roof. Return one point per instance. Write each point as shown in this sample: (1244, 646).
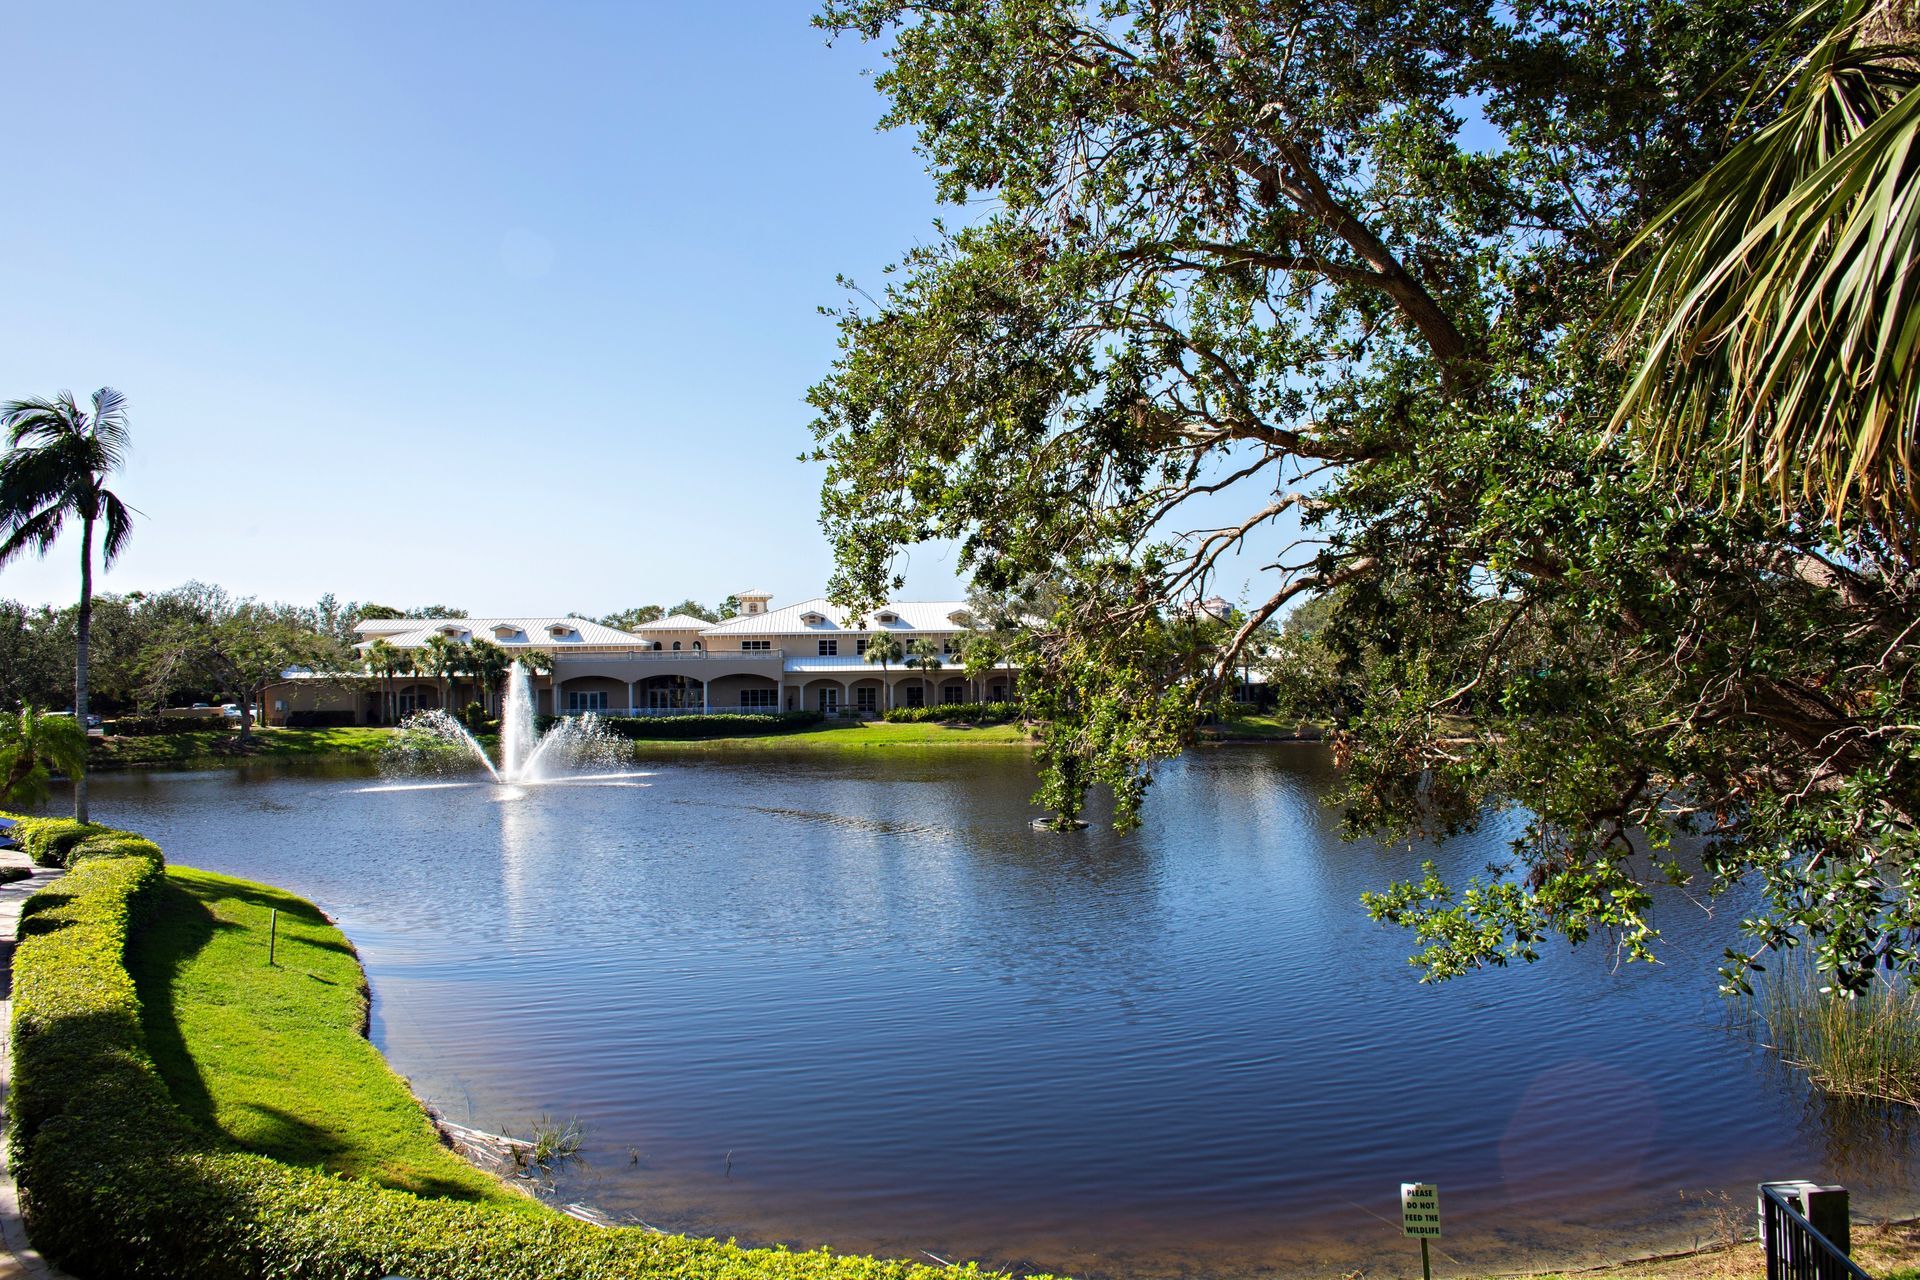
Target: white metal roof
(511, 633)
(909, 616)
(676, 622)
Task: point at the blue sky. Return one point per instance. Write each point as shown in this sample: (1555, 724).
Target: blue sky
(506, 306)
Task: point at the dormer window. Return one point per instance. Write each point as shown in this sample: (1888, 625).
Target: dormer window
(560, 631)
(505, 632)
(451, 631)
(887, 616)
(960, 618)
(813, 619)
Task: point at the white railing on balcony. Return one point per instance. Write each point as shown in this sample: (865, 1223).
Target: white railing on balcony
(735, 654)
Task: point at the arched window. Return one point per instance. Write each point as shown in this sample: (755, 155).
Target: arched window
(656, 646)
(676, 644)
(696, 646)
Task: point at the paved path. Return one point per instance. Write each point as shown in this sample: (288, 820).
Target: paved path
(18, 1260)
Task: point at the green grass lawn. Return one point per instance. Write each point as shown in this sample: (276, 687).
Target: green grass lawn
(851, 736)
(223, 746)
(274, 1059)
(1251, 728)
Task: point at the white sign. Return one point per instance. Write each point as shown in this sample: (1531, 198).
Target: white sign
(1420, 1209)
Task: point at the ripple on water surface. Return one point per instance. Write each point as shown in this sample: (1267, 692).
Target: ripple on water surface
(917, 1024)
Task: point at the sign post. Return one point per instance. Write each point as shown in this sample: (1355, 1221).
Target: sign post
(1420, 1217)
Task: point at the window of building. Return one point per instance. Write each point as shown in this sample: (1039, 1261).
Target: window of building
(859, 646)
(409, 703)
(996, 693)
(656, 646)
(946, 646)
(863, 698)
(916, 696)
(829, 648)
(953, 693)
(581, 700)
(829, 701)
(756, 646)
(696, 646)
(759, 699)
(676, 646)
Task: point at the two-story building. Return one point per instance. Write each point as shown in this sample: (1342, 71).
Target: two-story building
(810, 655)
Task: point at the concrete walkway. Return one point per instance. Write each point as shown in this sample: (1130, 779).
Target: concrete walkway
(18, 1260)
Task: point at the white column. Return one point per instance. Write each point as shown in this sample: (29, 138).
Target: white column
(630, 699)
(704, 707)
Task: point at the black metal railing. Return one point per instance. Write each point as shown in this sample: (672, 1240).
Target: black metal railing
(1804, 1231)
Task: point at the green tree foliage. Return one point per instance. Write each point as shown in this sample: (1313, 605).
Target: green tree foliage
(628, 619)
(208, 639)
(1243, 288)
(58, 461)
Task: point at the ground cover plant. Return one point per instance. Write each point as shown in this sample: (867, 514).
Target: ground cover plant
(117, 1180)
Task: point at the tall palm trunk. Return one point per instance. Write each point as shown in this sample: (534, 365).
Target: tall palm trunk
(82, 636)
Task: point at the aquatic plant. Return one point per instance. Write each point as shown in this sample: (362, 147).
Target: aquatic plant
(1860, 1046)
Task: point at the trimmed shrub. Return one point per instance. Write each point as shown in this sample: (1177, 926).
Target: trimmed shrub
(162, 726)
(725, 724)
(117, 1182)
(319, 719)
(48, 841)
(957, 713)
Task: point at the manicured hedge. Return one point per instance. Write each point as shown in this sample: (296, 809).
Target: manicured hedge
(722, 724)
(48, 841)
(117, 1182)
(163, 726)
(958, 713)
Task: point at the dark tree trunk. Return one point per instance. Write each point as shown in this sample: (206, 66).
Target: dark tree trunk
(83, 634)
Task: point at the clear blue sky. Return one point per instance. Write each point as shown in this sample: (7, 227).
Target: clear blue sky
(505, 306)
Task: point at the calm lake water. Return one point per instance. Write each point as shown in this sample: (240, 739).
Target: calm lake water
(914, 1025)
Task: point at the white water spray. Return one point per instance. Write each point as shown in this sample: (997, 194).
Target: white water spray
(429, 739)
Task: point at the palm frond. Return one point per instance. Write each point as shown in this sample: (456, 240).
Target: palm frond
(118, 521)
(110, 428)
(37, 531)
(1778, 309)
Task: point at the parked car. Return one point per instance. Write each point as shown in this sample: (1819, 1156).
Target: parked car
(231, 710)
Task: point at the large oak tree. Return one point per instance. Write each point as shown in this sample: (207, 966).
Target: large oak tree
(1321, 288)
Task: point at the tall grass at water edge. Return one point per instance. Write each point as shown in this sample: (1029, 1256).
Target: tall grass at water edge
(1866, 1046)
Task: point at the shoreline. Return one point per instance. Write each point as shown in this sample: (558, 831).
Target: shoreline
(214, 749)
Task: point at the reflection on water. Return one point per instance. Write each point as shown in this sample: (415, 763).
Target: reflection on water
(919, 1025)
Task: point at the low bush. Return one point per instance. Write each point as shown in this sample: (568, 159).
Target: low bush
(957, 713)
(725, 724)
(161, 726)
(319, 719)
(48, 841)
(116, 1181)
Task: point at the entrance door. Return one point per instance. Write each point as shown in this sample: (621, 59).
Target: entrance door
(829, 700)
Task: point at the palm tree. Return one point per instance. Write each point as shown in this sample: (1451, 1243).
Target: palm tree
(383, 660)
(884, 649)
(924, 655)
(1772, 307)
(33, 745)
(489, 663)
(446, 658)
(58, 460)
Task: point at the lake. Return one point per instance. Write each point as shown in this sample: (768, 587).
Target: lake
(856, 1000)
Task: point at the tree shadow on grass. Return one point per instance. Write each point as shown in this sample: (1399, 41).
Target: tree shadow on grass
(177, 926)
